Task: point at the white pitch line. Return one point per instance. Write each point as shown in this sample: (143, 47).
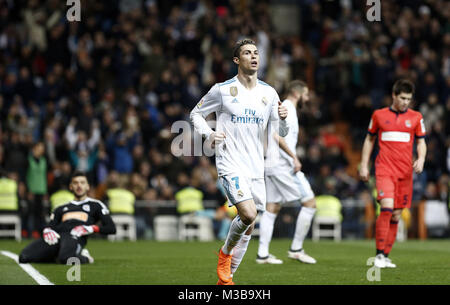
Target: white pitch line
(39, 278)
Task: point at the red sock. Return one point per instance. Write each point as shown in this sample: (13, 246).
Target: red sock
(393, 227)
(382, 228)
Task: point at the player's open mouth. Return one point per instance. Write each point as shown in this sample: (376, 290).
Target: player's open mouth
(254, 63)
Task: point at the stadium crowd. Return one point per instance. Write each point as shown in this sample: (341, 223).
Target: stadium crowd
(101, 95)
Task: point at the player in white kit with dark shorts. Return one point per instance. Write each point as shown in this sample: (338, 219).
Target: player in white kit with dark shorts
(285, 182)
(244, 106)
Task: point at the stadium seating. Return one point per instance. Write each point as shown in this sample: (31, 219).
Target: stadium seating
(11, 220)
(192, 227)
(328, 213)
(166, 227)
(125, 227)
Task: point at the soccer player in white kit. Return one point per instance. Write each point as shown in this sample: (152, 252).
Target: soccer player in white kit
(285, 182)
(244, 106)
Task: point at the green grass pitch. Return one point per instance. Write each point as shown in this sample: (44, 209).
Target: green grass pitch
(194, 263)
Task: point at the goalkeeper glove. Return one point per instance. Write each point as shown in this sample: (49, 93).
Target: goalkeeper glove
(50, 236)
(79, 231)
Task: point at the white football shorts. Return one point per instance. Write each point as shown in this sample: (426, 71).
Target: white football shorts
(286, 186)
(240, 188)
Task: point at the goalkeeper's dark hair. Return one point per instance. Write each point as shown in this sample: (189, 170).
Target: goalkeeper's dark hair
(79, 174)
(403, 86)
(240, 44)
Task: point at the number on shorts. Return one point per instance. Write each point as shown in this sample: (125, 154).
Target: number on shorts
(236, 182)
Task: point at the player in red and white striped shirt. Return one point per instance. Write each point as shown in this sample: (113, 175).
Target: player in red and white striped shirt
(396, 127)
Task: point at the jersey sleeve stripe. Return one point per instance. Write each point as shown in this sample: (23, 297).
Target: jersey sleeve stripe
(100, 203)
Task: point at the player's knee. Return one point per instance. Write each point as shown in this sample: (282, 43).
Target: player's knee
(24, 258)
(273, 208)
(63, 258)
(396, 216)
(248, 217)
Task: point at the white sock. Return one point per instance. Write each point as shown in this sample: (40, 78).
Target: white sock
(237, 229)
(265, 232)
(302, 227)
(239, 252)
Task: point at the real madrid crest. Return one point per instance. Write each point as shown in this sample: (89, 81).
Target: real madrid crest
(264, 100)
(240, 193)
(233, 91)
(200, 103)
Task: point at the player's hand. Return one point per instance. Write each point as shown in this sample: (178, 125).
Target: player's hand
(216, 138)
(297, 165)
(282, 111)
(364, 173)
(79, 231)
(418, 165)
(50, 236)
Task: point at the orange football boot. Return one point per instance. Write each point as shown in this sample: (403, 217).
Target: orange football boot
(219, 282)
(224, 268)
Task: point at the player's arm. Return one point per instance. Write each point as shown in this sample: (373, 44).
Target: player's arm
(279, 113)
(283, 145)
(106, 226)
(421, 154)
(367, 149)
(421, 146)
(49, 234)
(369, 143)
(211, 102)
(55, 218)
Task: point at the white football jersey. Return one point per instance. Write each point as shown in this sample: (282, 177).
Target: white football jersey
(242, 115)
(277, 159)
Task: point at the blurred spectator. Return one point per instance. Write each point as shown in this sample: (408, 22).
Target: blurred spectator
(16, 154)
(120, 199)
(432, 110)
(120, 147)
(37, 185)
(204, 173)
(82, 150)
(9, 193)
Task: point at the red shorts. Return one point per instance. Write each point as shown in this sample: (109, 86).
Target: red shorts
(398, 189)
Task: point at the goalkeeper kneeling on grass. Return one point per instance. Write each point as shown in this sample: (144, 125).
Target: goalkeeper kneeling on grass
(66, 234)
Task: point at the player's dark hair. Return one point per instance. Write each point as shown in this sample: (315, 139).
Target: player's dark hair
(240, 44)
(79, 174)
(296, 85)
(403, 86)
